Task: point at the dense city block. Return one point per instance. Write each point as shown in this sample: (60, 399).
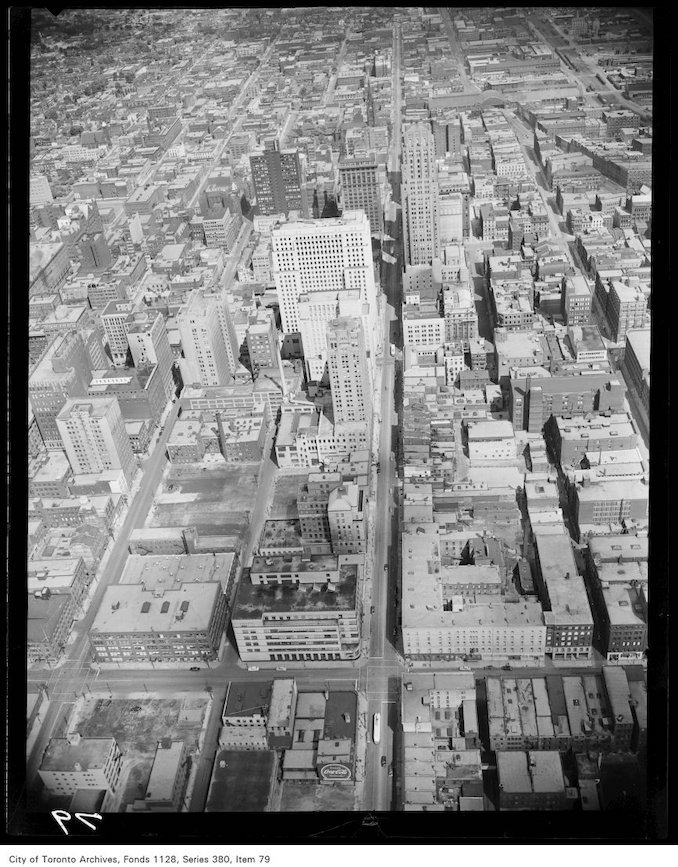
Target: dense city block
(339, 347)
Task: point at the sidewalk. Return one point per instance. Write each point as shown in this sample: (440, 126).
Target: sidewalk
(361, 743)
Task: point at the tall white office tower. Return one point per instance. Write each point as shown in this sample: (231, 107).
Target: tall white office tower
(315, 310)
(202, 342)
(94, 436)
(228, 332)
(149, 344)
(350, 371)
(327, 257)
(420, 196)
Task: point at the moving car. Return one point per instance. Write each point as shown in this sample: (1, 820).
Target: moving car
(383, 761)
(371, 609)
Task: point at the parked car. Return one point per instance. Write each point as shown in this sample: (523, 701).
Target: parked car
(383, 761)
(390, 770)
(372, 609)
(194, 668)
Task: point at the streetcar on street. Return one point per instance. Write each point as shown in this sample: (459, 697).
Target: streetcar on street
(376, 728)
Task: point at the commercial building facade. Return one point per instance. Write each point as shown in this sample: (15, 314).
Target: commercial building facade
(94, 437)
(287, 618)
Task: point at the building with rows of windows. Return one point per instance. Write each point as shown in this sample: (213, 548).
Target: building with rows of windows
(291, 609)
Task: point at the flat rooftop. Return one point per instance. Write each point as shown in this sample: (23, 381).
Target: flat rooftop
(96, 407)
(340, 715)
(574, 428)
(639, 339)
(164, 771)
(519, 344)
(282, 705)
(611, 548)
(522, 772)
(283, 532)
(317, 563)
(56, 467)
(128, 608)
(471, 574)
(89, 753)
(170, 571)
(247, 699)
(631, 489)
(490, 430)
(565, 586)
(623, 604)
(62, 569)
(254, 601)
(624, 572)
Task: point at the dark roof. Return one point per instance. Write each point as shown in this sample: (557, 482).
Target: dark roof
(248, 698)
(338, 704)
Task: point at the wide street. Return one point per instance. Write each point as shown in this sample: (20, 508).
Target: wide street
(380, 677)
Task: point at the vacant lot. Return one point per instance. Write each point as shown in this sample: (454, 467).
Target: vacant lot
(241, 781)
(316, 797)
(285, 495)
(138, 731)
(221, 499)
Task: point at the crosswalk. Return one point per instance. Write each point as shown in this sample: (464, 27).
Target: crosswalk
(69, 681)
(380, 679)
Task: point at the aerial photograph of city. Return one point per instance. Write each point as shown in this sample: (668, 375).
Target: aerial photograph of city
(338, 400)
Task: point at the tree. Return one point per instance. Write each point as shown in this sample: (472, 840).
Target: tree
(75, 130)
